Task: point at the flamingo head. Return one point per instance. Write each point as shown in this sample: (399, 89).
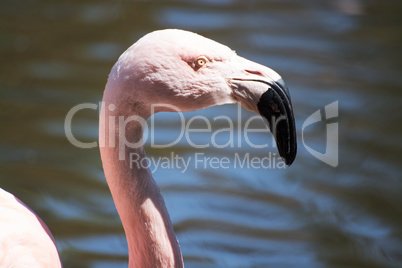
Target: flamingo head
(176, 70)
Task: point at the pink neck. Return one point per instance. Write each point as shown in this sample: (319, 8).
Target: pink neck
(150, 236)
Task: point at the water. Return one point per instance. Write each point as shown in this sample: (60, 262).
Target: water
(55, 55)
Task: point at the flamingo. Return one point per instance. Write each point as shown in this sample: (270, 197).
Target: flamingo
(166, 70)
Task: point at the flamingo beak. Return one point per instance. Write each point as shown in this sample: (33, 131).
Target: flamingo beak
(262, 90)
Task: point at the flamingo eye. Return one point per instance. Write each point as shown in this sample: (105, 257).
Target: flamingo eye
(201, 61)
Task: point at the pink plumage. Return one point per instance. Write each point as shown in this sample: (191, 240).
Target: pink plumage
(177, 71)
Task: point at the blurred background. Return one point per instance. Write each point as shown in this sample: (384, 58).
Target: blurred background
(57, 54)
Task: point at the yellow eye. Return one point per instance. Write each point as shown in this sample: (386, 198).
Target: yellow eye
(201, 61)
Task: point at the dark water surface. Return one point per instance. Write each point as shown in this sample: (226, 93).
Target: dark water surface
(57, 54)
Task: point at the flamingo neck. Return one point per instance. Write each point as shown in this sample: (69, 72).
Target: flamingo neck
(146, 222)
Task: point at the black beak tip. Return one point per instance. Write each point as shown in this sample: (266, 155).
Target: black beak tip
(288, 158)
(276, 107)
